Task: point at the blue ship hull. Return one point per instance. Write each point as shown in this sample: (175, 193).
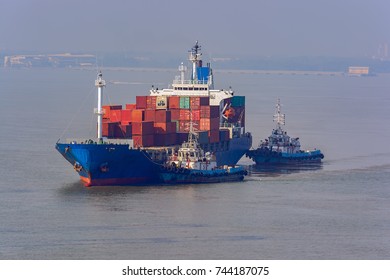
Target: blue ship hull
(265, 156)
(237, 148)
(110, 164)
(117, 164)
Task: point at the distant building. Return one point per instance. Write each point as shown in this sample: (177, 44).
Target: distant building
(358, 71)
(50, 60)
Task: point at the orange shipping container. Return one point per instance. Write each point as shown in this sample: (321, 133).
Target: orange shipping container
(175, 114)
(197, 102)
(107, 110)
(137, 115)
(209, 112)
(126, 116)
(174, 102)
(209, 124)
(116, 115)
(131, 106)
(143, 128)
(151, 102)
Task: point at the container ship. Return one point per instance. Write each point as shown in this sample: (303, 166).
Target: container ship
(135, 140)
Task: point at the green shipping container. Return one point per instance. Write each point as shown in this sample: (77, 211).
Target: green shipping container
(238, 101)
(184, 102)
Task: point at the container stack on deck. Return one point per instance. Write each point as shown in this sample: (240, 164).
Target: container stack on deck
(165, 121)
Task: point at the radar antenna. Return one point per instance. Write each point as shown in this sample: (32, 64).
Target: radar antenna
(195, 58)
(279, 118)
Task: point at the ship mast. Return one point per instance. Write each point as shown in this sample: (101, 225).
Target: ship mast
(279, 118)
(100, 83)
(195, 59)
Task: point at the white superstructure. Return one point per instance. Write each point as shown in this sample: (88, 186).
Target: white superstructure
(199, 83)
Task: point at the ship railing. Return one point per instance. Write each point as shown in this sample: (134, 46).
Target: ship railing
(95, 141)
(190, 82)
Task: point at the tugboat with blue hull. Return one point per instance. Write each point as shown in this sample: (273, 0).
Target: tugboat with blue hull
(190, 165)
(280, 148)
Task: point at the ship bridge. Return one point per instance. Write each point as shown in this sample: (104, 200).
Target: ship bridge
(200, 82)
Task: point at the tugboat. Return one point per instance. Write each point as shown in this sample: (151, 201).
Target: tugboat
(280, 148)
(191, 165)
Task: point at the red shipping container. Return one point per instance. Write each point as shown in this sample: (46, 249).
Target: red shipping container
(140, 102)
(184, 126)
(143, 128)
(195, 114)
(195, 103)
(175, 114)
(126, 116)
(150, 115)
(214, 136)
(163, 116)
(108, 129)
(116, 115)
(184, 115)
(137, 115)
(131, 106)
(143, 140)
(174, 102)
(204, 112)
(151, 102)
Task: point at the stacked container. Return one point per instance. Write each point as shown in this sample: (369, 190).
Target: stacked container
(165, 121)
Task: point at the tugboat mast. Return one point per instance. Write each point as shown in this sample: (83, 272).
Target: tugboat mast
(100, 83)
(279, 118)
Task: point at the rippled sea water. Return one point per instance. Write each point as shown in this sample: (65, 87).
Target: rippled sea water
(337, 210)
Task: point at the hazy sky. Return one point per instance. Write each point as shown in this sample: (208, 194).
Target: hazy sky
(264, 27)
